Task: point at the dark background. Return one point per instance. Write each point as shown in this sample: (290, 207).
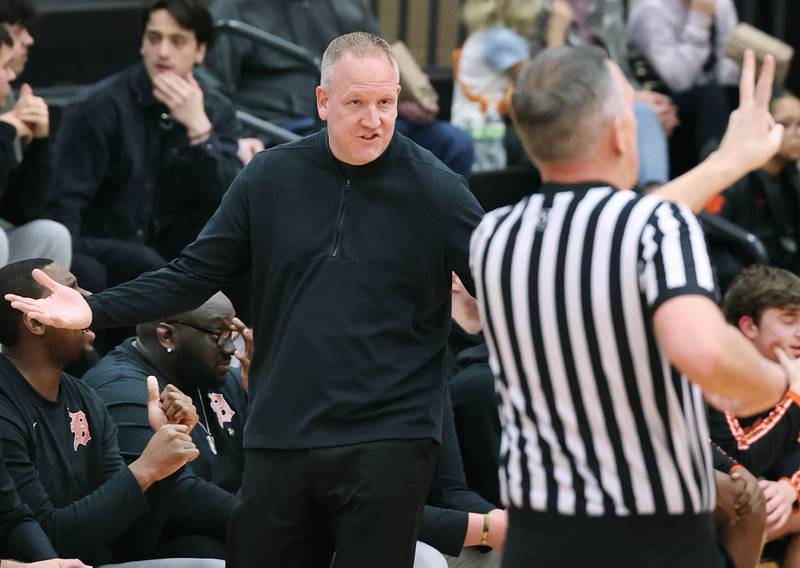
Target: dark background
(81, 41)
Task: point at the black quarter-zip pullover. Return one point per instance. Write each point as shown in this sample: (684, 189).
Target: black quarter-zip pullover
(351, 279)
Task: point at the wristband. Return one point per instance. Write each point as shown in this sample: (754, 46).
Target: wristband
(485, 531)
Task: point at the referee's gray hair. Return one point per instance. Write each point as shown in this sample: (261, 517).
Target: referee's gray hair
(562, 101)
(357, 44)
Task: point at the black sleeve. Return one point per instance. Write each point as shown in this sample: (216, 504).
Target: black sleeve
(758, 446)
(81, 153)
(445, 517)
(722, 461)
(444, 529)
(461, 213)
(220, 254)
(29, 185)
(209, 168)
(79, 528)
(449, 485)
(21, 537)
(199, 506)
(7, 159)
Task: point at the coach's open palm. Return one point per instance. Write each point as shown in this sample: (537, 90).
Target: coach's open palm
(64, 308)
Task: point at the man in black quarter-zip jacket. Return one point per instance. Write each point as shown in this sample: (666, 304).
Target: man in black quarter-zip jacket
(352, 235)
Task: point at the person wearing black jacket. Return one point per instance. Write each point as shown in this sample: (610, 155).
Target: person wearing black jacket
(144, 157)
(20, 536)
(193, 352)
(25, 172)
(60, 444)
(352, 234)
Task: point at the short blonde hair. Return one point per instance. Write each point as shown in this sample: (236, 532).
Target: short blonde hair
(357, 44)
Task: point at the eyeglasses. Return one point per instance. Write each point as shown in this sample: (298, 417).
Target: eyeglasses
(220, 336)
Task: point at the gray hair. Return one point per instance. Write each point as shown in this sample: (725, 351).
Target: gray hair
(357, 44)
(562, 101)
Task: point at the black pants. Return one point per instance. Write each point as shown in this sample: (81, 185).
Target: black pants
(362, 501)
(538, 541)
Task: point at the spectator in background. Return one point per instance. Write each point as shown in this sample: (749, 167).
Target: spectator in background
(767, 202)
(192, 351)
(60, 444)
(280, 89)
(764, 303)
(683, 43)
(602, 23)
(485, 68)
(24, 146)
(144, 158)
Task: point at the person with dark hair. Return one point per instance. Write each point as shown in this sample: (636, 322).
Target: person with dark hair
(764, 303)
(17, 16)
(352, 234)
(279, 88)
(767, 201)
(24, 166)
(599, 310)
(145, 156)
(60, 444)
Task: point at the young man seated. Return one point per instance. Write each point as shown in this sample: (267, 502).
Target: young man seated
(764, 302)
(143, 159)
(60, 444)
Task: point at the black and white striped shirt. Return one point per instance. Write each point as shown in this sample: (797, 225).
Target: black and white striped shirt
(596, 422)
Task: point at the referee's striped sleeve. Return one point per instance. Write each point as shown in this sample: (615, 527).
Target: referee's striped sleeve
(674, 257)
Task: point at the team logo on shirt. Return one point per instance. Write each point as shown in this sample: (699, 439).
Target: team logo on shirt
(221, 408)
(79, 426)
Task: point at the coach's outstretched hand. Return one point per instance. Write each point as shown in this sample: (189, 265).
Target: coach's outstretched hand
(64, 307)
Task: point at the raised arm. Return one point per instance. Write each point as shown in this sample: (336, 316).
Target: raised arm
(752, 138)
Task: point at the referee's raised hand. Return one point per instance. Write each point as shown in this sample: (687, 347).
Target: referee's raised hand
(753, 137)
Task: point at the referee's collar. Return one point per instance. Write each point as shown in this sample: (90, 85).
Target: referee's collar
(580, 188)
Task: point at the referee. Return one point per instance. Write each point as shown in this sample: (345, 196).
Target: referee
(597, 305)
